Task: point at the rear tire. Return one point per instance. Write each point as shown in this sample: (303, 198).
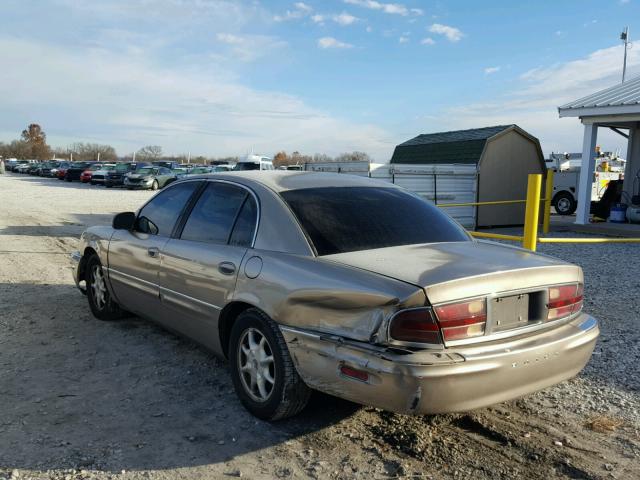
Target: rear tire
(101, 303)
(564, 203)
(263, 373)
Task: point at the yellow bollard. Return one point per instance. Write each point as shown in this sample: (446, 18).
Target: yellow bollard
(548, 193)
(532, 212)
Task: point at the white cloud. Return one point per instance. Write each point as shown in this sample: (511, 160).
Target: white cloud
(300, 10)
(427, 41)
(490, 70)
(330, 42)
(303, 6)
(318, 18)
(369, 29)
(344, 19)
(247, 48)
(403, 40)
(451, 33)
(201, 108)
(533, 103)
(391, 8)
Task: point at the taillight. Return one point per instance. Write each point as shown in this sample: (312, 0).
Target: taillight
(462, 320)
(415, 325)
(564, 300)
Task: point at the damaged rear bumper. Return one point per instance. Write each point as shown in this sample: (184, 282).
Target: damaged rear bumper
(448, 380)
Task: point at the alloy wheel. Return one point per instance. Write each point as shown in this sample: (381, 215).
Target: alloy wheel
(98, 287)
(256, 364)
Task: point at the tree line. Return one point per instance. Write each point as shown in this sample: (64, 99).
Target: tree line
(32, 145)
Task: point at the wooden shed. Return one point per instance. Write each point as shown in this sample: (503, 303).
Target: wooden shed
(503, 157)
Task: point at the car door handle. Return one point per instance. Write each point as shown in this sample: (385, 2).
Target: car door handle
(153, 252)
(227, 268)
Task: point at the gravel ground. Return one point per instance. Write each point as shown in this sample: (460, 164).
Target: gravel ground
(87, 399)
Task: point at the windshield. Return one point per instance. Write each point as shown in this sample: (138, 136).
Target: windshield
(122, 167)
(349, 219)
(247, 166)
(147, 171)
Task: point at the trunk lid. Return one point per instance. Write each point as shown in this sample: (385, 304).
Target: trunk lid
(459, 270)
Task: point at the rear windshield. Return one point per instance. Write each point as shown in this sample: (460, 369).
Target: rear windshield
(349, 219)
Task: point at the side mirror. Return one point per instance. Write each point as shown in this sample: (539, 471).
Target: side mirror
(124, 221)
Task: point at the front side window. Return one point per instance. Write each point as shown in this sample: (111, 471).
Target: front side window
(159, 216)
(349, 219)
(214, 214)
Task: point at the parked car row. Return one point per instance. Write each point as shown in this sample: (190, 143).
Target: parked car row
(131, 175)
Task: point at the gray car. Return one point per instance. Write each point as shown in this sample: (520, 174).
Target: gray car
(342, 284)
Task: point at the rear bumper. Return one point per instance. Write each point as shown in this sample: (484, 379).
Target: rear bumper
(449, 380)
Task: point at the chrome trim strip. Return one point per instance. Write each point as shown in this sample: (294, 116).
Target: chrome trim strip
(131, 277)
(173, 292)
(161, 289)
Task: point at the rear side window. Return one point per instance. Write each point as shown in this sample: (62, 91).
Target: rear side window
(245, 226)
(159, 216)
(349, 219)
(214, 214)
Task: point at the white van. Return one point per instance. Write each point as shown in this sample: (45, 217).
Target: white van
(254, 162)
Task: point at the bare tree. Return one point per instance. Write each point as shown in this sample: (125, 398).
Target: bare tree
(149, 153)
(90, 151)
(353, 157)
(322, 157)
(16, 149)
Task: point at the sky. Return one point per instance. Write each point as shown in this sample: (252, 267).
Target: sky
(219, 78)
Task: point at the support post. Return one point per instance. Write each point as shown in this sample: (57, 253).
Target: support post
(548, 193)
(585, 182)
(532, 211)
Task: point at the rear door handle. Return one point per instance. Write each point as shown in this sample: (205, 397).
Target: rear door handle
(227, 268)
(153, 252)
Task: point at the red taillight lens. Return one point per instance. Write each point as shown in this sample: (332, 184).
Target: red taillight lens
(416, 325)
(462, 320)
(564, 300)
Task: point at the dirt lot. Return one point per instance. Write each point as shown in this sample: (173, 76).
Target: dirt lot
(82, 398)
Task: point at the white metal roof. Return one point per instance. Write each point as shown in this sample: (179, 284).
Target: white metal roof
(619, 99)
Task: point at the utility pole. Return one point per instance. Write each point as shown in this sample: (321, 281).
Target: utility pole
(624, 36)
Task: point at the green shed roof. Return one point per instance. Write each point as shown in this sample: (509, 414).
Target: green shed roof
(458, 146)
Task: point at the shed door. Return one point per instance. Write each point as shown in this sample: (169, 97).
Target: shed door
(504, 167)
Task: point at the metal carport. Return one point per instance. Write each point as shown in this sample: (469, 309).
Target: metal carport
(616, 108)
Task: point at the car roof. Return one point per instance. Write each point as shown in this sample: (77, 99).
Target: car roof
(283, 180)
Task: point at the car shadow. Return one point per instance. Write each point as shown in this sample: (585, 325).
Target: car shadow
(124, 395)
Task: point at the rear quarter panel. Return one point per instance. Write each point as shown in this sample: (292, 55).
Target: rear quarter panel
(302, 291)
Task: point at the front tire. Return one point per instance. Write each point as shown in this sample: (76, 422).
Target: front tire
(154, 185)
(564, 203)
(262, 370)
(101, 303)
